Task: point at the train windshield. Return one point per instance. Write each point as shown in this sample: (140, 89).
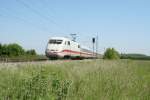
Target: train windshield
(55, 41)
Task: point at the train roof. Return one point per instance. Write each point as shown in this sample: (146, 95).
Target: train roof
(62, 38)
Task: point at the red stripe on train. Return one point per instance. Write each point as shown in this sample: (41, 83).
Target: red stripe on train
(76, 52)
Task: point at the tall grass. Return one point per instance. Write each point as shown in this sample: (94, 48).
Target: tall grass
(76, 80)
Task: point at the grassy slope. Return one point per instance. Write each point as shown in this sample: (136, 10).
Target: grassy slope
(77, 80)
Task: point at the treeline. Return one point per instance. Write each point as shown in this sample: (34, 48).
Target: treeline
(14, 53)
(111, 53)
(15, 50)
(135, 56)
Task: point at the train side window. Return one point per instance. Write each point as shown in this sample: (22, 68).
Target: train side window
(78, 46)
(68, 42)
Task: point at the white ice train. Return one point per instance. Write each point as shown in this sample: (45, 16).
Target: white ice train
(61, 47)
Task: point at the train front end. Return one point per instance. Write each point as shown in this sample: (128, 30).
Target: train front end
(54, 48)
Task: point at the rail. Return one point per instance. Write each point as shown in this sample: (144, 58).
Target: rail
(5, 60)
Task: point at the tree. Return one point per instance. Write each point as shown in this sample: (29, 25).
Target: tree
(0, 49)
(111, 53)
(4, 50)
(15, 50)
(31, 52)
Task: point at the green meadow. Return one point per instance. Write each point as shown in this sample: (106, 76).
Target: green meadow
(76, 80)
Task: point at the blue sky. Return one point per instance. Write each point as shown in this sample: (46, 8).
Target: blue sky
(122, 24)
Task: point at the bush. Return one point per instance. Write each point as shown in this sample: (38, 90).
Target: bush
(15, 50)
(4, 50)
(111, 53)
(0, 49)
(31, 52)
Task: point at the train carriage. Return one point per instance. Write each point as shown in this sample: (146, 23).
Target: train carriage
(61, 47)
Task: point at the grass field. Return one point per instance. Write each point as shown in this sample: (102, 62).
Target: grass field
(76, 80)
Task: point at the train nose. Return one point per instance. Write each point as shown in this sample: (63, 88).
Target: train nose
(51, 53)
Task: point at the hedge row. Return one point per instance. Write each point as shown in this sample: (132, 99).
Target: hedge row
(14, 50)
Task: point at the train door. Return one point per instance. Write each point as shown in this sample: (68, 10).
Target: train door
(67, 49)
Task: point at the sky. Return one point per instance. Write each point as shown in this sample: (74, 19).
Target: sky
(122, 24)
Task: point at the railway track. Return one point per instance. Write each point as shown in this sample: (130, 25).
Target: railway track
(37, 63)
(21, 60)
(9, 60)
(38, 60)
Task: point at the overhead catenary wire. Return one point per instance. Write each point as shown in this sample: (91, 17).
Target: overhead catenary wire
(33, 10)
(45, 6)
(54, 13)
(14, 16)
(46, 18)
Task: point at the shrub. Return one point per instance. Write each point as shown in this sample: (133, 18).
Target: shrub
(31, 52)
(4, 50)
(15, 50)
(0, 49)
(111, 53)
